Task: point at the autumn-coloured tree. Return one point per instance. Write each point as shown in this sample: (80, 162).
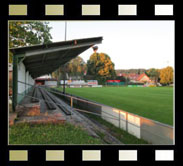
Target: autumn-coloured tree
(100, 66)
(166, 75)
(26, 33)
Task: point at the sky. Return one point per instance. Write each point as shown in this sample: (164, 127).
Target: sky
(130, 44)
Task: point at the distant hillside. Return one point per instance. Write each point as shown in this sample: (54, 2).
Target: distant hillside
(128, 71)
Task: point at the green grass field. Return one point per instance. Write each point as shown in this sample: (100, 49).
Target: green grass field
(151, 102)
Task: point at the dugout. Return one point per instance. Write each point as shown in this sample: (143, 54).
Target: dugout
(31, 62)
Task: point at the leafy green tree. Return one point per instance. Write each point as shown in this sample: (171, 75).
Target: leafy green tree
(101, 67)
(123, 79)
(75, 67)
(26, 33)
(153, 74)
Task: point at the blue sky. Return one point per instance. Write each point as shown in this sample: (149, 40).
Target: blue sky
(130, 44)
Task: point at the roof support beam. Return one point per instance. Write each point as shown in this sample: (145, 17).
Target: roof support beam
(44, 57)
(52, 50)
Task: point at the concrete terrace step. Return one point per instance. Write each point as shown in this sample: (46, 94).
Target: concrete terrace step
(56, 118)
(12, 117)
(28, 110)
(38, 112)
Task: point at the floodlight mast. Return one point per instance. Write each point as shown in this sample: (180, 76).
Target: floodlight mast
(64, 64)
(65, 30)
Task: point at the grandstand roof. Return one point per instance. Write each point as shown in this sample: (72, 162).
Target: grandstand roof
(46, 58)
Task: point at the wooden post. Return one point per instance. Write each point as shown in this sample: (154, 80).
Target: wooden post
(25, 83)
(119, 120)
(126, 121)
(64, 81)
(71, 106)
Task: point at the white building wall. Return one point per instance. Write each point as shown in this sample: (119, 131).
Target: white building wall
(21, 77)
(51, 83)
(27, 80)
(30, 80)
(24, 77)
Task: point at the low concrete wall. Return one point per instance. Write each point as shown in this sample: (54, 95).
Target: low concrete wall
(156, 132)
(152, 131)
(122, 119)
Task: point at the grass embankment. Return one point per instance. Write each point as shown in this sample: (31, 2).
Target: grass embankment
(120, 134)
(151, 102)
(49, 134)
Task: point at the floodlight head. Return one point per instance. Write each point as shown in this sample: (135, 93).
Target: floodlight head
(95, 48)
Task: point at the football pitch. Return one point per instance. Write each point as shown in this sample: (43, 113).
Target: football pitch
(151, 102)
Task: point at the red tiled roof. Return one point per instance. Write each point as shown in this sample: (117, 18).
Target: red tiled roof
(141, 76)
(130, 75)
(133, 76)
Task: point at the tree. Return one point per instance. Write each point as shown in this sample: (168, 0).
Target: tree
(75, 67)
(101, 67)
(166, 75)
(153, 74)
(26, 33)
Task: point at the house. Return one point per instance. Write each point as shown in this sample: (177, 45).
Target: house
(131, 76)
(143, 78)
